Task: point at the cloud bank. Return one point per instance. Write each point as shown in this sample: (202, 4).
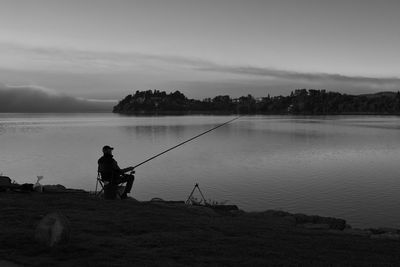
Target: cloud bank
(141, 71)
(299, 76)
(99, 61)
(36, 99)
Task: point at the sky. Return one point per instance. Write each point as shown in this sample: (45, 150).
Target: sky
(100, 49)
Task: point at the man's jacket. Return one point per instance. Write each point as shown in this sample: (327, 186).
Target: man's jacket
(108, 168)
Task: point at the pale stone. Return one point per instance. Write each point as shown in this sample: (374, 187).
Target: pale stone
(53, 229)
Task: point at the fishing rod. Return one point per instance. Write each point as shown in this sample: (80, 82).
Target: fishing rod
(194, 137)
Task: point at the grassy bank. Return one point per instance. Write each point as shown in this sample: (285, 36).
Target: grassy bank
(130, 233)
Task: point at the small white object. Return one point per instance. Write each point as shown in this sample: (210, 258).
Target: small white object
(38, 187)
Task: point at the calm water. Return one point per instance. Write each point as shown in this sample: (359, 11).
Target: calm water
(341, 166)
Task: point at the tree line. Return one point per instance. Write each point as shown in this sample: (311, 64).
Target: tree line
(300, 101)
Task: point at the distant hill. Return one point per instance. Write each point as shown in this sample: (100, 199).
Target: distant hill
(37, 100)
(300, 101)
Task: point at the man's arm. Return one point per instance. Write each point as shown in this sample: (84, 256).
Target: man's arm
(122, 171)
(127, 169)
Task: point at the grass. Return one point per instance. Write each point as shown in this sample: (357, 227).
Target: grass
(130, 233)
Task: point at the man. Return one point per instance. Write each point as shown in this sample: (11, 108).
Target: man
(111, 172)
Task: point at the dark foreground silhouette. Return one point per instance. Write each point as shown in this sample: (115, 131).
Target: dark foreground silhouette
(131, 233)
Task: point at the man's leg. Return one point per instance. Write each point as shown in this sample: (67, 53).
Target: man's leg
(128, 178)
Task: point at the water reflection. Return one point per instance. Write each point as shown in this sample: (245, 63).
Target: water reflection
(153, 131)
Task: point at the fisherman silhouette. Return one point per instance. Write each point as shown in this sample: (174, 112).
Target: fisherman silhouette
(112, 173)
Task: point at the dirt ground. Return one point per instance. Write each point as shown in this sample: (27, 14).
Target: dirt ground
(130, 233)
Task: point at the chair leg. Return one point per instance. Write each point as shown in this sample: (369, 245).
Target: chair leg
(102, 188)
(95, 191)
(99, 193)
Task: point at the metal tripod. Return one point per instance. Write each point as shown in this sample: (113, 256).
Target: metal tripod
(189, 200)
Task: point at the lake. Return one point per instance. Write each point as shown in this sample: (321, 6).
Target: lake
(340, 166)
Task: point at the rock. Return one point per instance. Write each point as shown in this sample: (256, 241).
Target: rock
(162, 201)
(6, 184)
(5, 180)
(348, 226)
(290, 219)
(335, 232)
(237, 212)
(278, 213)
(376, 231)
(355, 232)
(316, 226)
(389, 230)
(4, 263)
(388, 236)
(52, 230)
(157, 199)
(358, 232)
(224, 207)
(333, 223)
(202, 210)
(54, 188)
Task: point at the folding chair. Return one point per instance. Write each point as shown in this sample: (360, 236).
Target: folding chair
(103, 184)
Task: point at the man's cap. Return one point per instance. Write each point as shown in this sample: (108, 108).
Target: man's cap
(107, 148)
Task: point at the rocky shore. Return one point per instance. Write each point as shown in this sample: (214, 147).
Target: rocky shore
(133, 233)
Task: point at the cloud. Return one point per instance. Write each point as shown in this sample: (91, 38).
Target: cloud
(38, 99)
(301, 76)
(73, 60)
(149, 67)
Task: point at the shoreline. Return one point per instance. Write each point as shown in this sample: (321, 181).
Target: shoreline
(211, 113)
(123, 233)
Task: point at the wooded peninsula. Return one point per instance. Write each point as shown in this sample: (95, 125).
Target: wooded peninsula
(300, 101)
